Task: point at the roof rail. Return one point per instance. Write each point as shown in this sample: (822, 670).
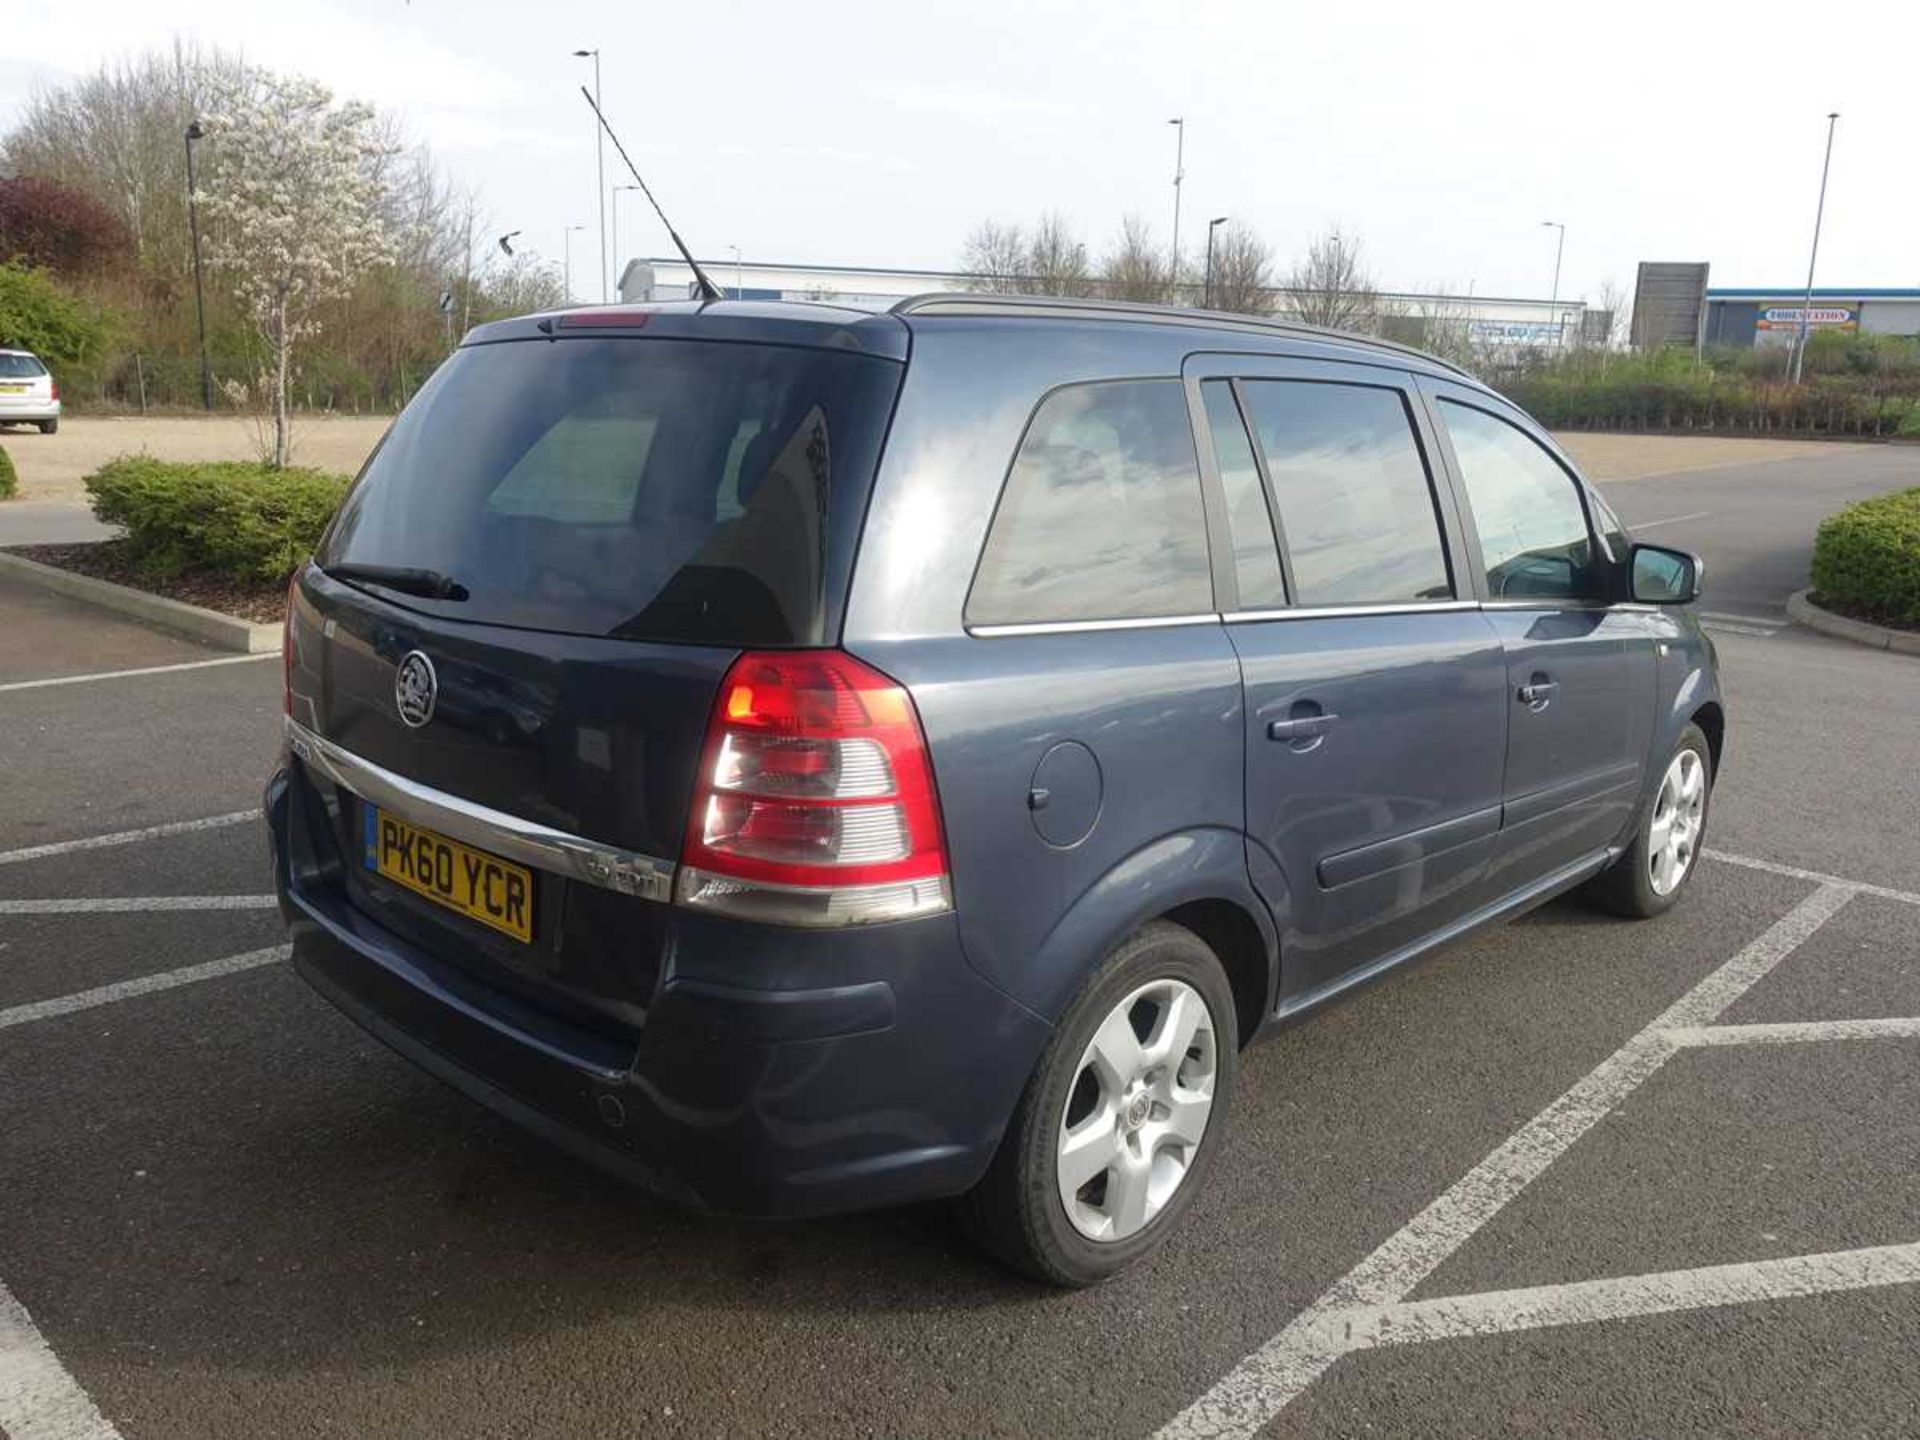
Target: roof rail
(956, 302)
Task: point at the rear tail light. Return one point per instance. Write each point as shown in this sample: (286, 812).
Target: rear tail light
(53, 388)
(286, 643)
(815, 803)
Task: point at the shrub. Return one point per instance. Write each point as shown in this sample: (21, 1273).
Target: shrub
(1866, 559)
(9, 482)
(235, 519)
(37, 315)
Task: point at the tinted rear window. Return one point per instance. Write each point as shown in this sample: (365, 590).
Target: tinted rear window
(676, 490)
(1101, 517)
(20, 367)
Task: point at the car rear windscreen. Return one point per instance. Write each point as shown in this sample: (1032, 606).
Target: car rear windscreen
(20, 367)
(708, 492)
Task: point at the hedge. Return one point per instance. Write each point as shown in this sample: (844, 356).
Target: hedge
(9, 482)
(1866, 559)
(235, 519)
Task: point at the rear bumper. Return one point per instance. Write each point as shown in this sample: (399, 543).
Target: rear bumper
(17, 409)
(886, 1077)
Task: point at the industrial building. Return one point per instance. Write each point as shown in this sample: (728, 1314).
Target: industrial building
(1770, 317)
(1492, 320)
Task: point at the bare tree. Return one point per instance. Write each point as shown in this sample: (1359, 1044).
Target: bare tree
(1137, 268)
(994, 258)
(1056, 259)
(1241, 266)
(1618, 305)
(1331, 286)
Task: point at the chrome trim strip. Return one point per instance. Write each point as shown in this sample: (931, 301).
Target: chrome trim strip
(611, 868)
(1341, 612)
(1070, 627)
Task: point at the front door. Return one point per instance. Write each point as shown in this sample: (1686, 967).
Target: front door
(1376, 690)
(1580, 664)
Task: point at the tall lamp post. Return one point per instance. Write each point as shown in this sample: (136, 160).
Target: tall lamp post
(1212, 225)
(1559, 249)
(1806, 309)
(194, 132)
(566, 253)
(738, 285)
(1179, 123)
(617, 190)
(599, 167)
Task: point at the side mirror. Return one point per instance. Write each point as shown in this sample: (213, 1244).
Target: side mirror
(1665, 577)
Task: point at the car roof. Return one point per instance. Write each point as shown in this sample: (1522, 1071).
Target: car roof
(886, 333)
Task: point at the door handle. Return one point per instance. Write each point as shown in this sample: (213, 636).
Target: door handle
(1537, 693)
(1304, 728)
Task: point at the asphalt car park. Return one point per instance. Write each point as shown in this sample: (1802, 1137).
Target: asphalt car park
(1571, 1174)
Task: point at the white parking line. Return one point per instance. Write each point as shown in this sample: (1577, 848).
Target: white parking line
(130, 674)
(1639, 525)
(1794, 872)
(145, 985)
(1274, 1375)
(1799, 1032)
(135, 904)
(1723, 628)
(1584, 1302)
(39, 1400)
(125, 837)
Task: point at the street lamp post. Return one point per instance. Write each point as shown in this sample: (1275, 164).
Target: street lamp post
(1806, 309)
(738, 286)
(194, 132)
(616, 225)
(599, 167)
(566, 253)
(1559, 249)
(1212, 225)
(1179, 123)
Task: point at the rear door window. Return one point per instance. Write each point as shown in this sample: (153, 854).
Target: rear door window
(1356, 503)
(1256, 558)
(699, 491)
(1526, 509)
(1101, 517)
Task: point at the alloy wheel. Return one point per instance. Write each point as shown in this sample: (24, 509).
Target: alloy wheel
(1679, 811)
(1137, 1110)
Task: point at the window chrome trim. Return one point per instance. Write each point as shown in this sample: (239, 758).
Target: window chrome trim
(628, 872)
(1343, 612)
(1072, 627)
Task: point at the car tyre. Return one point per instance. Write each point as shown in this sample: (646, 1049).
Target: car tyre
(1651, 876)
(1170, 991)
(48, 427)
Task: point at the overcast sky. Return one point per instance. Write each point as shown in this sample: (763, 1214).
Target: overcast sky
(881, 133)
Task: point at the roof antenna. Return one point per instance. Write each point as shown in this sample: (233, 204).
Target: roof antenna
(708, 289)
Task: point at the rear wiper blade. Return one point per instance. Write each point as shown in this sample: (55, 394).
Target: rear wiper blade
(428, 584)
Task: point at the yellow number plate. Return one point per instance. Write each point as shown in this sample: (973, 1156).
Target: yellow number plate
(469, 882)
(13, 389)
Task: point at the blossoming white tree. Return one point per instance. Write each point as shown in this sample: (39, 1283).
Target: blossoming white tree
(292, 199)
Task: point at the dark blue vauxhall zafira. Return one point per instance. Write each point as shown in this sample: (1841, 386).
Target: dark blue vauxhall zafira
(804, 758)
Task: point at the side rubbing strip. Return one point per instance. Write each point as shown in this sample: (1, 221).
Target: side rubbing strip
(1384, 855)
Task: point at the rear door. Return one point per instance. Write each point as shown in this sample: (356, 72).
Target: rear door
(575, 537)
(1580, 665)
(1375, 688)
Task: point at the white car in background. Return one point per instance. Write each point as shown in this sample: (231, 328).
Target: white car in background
(28, 394)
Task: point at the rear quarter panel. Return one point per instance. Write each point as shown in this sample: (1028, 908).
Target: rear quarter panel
(1160, 708)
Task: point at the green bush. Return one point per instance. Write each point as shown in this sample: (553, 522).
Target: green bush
(1866, 559)
(9, 482)
(235, 519)
(37, 314)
